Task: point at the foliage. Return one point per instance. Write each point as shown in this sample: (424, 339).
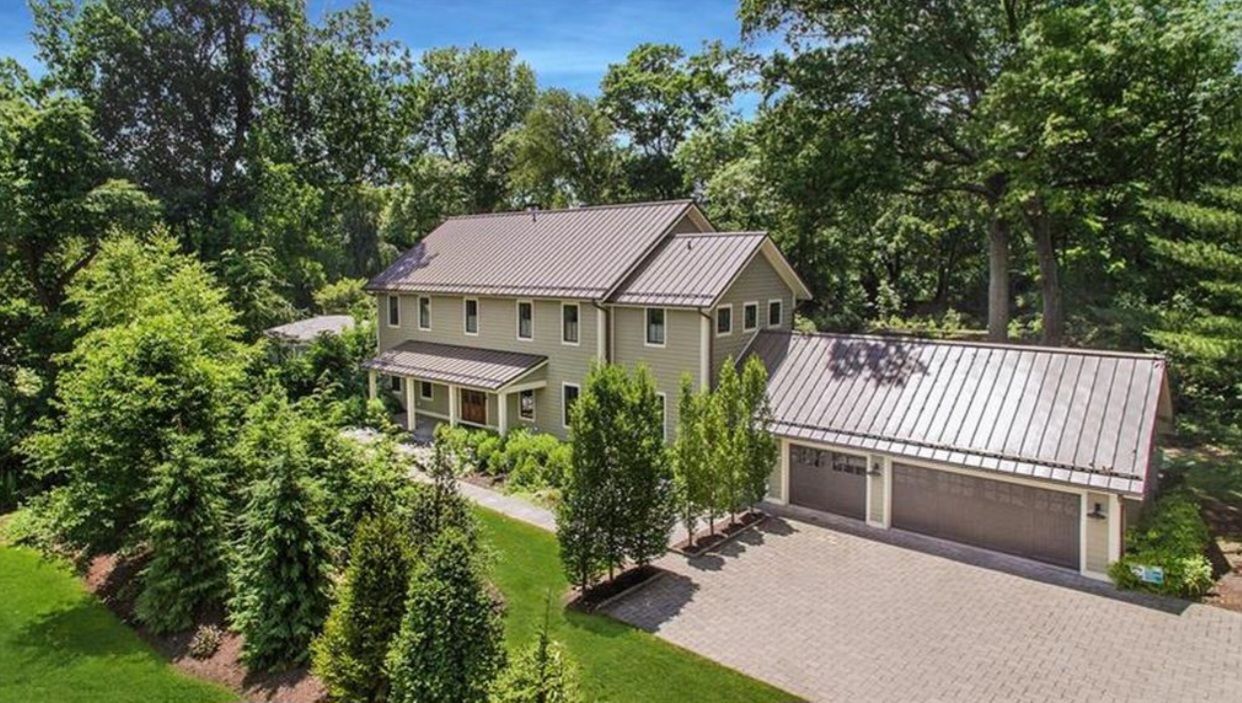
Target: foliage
(449, 647)
(542, 673)
(205, 642)
(564, 153)
(1170, 535)
(691, 457)
(345, 297)
(535, 460)
(349, 656)
(160, 350)
(617, 498)
(280, 581)
(756, 443)
(185, 533)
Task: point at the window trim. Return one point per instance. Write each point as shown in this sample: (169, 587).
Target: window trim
(716, 319)
(578, 307)
(780, 306)
(752, 304)
(534, 409)
(647, 327)
(564, 404)
(394, 384)
(465, 316)
(517, 320)
(663, 414)
(388, 317)
(429, 387)
(421, 298)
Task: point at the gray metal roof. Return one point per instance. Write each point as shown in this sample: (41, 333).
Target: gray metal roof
(574, 253)
(690, 269)
(1076, 416)
(487, 369)
(305, 331)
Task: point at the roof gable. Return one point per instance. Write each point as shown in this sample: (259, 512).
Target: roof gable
(572, 253)
(1077, 416)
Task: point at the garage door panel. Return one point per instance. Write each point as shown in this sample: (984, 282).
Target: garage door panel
(1028, 521)
(828, 481)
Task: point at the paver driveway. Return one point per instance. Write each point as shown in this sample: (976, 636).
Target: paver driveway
(839, 612)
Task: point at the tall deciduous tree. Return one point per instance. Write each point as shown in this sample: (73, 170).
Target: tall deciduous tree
(565, 153)
(691, 457)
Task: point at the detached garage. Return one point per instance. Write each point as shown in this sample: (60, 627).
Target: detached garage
(1030, 451)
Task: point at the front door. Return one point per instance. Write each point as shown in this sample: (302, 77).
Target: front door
(474, 407)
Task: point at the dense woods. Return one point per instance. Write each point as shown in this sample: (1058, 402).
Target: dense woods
(1056, 172)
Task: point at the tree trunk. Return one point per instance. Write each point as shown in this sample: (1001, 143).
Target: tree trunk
(998, 278)
(1049, 275)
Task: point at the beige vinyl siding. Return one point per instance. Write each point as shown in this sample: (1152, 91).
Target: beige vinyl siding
(679, 355)
(1097, 535)
(757, 283)
(438, 403)
(498, 330)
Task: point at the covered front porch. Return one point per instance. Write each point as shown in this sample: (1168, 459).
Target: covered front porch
(436, 383)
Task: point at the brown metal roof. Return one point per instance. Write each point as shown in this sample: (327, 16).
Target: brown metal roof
(690, 269)
(487, 369)
(1077, 416)
(575, 253)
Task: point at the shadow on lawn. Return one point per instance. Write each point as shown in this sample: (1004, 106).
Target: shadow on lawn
(74, 631)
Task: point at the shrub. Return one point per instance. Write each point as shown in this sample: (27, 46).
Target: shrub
(40, 523)
(1173, 536)
(535, 461)
(541, 674)
(489, 452)
(185, 533)
(206, 641)
(349, 656)
(450, 646)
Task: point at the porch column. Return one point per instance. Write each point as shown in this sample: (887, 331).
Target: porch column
(371, 382)
(502, 412)
(454, 399)
(411, 418)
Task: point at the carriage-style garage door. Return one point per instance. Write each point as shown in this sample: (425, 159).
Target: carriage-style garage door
(1031, 522)
(828, 481)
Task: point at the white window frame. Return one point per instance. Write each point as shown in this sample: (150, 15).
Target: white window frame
(388, 310)
(716, 319)
(663, 414)
(534, 408)
(421, 298)
(564, 341)
(517, 320)
(465, 315)
(752, 304)
(647, 327)
(564, 402)
(426, 390)
(780, 316)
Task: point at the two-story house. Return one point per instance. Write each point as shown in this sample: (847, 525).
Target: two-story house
(493, 321)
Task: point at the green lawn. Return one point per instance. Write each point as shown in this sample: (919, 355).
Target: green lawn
(57, 643)
(618, 662)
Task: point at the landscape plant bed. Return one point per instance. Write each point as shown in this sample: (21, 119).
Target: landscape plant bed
(495, 483)
(601, 594)
(705, 540)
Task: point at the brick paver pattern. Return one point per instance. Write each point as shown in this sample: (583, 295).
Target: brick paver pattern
(838, 614)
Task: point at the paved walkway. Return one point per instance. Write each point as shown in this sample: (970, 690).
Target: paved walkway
(841, 612)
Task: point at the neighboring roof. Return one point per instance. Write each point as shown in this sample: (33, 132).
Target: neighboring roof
(487, 369)
(695, 269)
(305, 331)
(1077, 416)
(574, 253)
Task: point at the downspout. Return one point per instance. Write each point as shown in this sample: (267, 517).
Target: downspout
(708, 342)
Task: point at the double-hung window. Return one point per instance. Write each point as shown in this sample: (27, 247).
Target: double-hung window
(424, 312)
(471, 314)
(774, 313)
(569, 396)
(526, 405)
(724, 320)
(525, 319)
(394, 311)
(750, 316)
(655, 327)
(569, 323)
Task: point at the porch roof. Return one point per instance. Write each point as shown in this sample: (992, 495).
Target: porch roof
(485, 369)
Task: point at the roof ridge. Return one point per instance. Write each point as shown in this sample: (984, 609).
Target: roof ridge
(1079, 351)
(748, 233)
(553, 211)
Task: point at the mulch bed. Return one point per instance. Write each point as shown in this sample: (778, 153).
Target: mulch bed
(601, 594)
(706, 539)
(112, 579)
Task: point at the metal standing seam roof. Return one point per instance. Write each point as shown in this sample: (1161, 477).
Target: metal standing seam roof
(302, 331)
(690, 270)
(486, 369)
(1076, 416)
(573, 253)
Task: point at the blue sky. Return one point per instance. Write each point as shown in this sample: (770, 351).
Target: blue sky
(569, 43)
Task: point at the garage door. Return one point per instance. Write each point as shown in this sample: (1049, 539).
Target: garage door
(828, 481)
(1031, 522)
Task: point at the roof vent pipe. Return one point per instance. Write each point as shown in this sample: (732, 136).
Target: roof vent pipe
(533, 209)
